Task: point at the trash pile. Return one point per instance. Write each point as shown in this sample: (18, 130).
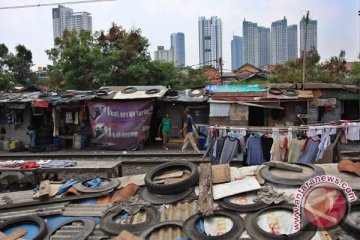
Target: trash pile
(178, 199)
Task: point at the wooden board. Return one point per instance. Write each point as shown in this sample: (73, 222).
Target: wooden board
(232, 188)
(179, 179)
(170, 174)
(205, 201)
(220, 173)
(44, 190)
(19, 232)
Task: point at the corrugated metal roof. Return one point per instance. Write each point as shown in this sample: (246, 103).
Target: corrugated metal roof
(307, 94)
(40, 210)
(85, 210)
(68, 231)
(183, 96)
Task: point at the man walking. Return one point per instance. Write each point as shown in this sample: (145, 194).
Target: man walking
(189, 137)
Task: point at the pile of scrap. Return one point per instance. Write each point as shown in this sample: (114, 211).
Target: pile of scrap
(173, 200)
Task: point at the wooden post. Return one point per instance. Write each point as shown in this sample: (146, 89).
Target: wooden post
(205, 190)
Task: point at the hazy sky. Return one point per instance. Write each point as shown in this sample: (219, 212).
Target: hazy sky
(338, 22)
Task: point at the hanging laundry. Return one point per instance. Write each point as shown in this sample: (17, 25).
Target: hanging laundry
(266, 144)
(275, 151)
(68, 117)
(310, 150)
(295, 150)
(324, 143)
(76, 120)
(230, 150)
(284, 148)
(254, 151)
(353, 132)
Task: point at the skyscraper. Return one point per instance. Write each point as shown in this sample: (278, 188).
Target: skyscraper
(178, 45)
(210, 41)
(164, 55)
(264, 47)
(65, 18)
(237, 52)
(311, 37)
(292, 42)
(250, 35)
(279, 42)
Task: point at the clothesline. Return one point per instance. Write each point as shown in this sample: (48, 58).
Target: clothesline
(280, 129)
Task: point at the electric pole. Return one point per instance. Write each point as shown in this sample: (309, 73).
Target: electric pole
(304, 50)
(221, 70)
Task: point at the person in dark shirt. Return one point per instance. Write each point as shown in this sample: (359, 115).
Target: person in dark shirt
(189, 137)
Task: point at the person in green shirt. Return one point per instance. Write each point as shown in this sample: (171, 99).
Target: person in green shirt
(165, 126)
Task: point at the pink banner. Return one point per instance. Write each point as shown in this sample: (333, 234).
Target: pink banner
(120, 125)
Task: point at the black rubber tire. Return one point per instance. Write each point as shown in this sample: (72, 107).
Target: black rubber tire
(27, 219)
(166, 189)
(256, 232)
(275, 91)
(129, 90)
(89, 225)
(113, 183)
(291, 92)
(227, 204)
(152, 228)
(192, 94)
(108, 225)
(37, 149)
(190, 227)
(172, 93)
(265, 173)
(349, 227)
(152, 91)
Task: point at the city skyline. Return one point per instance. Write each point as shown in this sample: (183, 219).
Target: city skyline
(178, 45)
(159, 18)
(65, 18)
(210, 41)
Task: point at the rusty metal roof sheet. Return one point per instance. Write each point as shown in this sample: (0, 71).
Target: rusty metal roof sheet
(41, 210)
(68, 231)
(85, 210)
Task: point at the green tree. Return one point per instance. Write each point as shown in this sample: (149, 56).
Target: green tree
(73, 57)
(335, 68)
(355, 73)
(19, 64)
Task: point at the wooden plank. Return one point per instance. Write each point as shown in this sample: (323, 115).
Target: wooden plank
(205, 190)
(125, 235)
(176, 180)
(19, 232)
(220, 173)
(170, 174)
(45, 190)
(232, 188)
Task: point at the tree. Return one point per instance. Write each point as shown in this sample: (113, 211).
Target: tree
(115, 57)
(335, 67)
(20, 65)
(15, 68)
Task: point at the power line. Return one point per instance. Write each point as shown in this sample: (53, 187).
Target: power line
(51, 4)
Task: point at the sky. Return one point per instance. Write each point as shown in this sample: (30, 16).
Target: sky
(338, 22)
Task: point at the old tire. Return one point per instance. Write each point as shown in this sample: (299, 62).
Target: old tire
(275, 91)
(348, 226)
(89, 225)
(152, 91)
(113, 183)
(129, 90)
(109, 225)
(166, 189)
(227, 204)
(291, 92)
(256, 232)
(27, 219)
(191, 228)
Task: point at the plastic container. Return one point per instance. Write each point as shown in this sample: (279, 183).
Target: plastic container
(202, 142)
(6, 145)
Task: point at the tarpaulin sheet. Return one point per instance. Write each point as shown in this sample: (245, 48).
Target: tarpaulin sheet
(121, 125)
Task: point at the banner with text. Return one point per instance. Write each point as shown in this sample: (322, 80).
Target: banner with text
(120, 125)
